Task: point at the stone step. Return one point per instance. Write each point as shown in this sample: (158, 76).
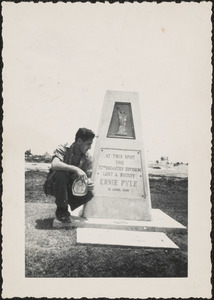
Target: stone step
(160, 222)
(97, 236)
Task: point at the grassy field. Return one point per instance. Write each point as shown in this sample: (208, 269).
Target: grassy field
(54, 253)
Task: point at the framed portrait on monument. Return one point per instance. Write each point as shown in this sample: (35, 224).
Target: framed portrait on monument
(121, 125)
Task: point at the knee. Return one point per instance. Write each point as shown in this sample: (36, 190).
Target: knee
(61, 176)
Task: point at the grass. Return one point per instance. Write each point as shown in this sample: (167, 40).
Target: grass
(54, 253)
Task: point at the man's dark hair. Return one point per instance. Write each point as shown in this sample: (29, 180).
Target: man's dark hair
(84, 134)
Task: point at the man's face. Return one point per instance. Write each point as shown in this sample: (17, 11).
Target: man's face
(84, 146)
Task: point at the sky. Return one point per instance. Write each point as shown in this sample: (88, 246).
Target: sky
(60, 59)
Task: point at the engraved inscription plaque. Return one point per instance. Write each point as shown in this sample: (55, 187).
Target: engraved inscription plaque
(119, 173)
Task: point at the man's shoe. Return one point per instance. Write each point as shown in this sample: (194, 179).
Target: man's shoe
(63, 215)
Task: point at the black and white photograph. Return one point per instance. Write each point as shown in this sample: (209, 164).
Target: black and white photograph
(106, 149)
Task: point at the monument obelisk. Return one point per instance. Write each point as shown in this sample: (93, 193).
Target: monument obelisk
(119, 172)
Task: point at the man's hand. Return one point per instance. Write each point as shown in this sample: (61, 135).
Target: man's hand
(90, 184)
(80, 173)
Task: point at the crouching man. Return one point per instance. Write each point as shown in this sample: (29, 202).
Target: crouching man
(68, 164)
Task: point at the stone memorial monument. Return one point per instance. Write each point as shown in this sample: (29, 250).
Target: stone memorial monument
(120, 212)
(120, 173)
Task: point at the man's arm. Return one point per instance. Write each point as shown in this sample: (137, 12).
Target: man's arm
(58, 165)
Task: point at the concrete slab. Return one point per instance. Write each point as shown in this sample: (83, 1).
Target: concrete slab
(160, 222)
(123, 238)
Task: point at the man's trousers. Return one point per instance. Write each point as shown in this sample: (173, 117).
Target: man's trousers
(62, 190)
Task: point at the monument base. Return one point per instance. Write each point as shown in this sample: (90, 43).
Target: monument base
(117, 232)
(160, 222)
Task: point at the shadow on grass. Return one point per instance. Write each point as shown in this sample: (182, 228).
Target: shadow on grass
(44, 223)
